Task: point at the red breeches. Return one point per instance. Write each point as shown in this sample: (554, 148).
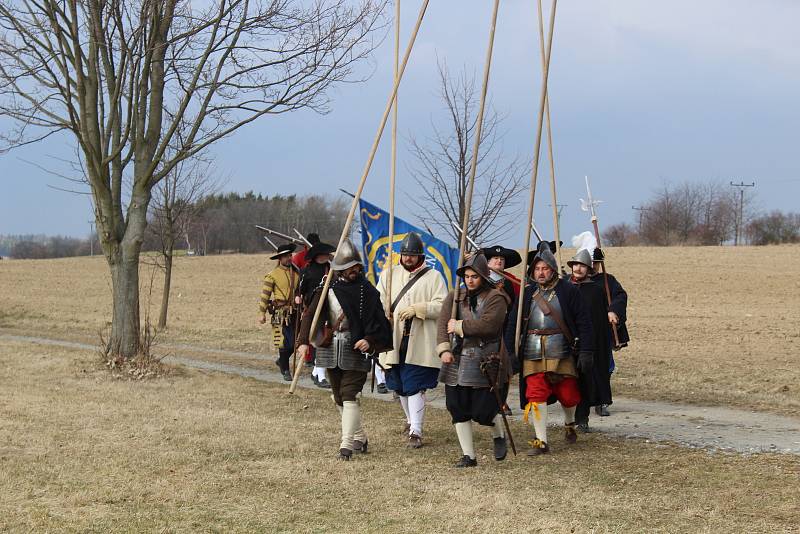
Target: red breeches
(538, 388)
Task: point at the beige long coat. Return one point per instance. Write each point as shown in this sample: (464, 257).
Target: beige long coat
(426, 296)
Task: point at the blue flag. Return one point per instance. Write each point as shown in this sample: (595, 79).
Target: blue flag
(375, 240)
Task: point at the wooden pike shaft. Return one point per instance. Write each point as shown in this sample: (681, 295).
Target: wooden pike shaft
(367, 167)
(553, 195)
(605, 280)
(393, 172)
(535, 171)
(462, 245)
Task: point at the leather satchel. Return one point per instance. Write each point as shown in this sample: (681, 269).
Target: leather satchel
(328, 331)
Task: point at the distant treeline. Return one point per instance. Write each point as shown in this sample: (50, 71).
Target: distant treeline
(41, 246)
(216, 224)
(226, 222)
(710, 213)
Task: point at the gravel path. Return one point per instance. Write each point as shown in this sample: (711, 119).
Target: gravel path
(707, 427)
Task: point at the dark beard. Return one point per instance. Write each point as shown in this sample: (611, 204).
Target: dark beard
(420, 261)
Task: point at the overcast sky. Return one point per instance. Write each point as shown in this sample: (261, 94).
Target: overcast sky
(642, 92)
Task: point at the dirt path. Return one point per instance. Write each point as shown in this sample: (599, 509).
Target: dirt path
(710, 427)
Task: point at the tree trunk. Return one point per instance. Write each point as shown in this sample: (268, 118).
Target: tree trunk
(162, 316)
(123, 261)
(124, 340)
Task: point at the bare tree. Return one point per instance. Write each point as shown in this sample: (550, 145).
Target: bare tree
(174, 205)
(123, 76)
(442, 164)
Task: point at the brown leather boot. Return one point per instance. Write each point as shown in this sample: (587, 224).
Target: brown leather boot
(569, 433)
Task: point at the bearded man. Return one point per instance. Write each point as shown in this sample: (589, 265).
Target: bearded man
(353, 316)
(555, 325)
(469, 345)
(277, 297)
(416, 300)
(595, 386)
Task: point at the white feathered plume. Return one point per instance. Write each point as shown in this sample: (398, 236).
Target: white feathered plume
(585, 240)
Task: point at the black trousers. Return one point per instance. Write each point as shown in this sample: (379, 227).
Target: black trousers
(287, 348)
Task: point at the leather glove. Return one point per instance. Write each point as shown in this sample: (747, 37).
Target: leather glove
(409, 312)
(585, 362)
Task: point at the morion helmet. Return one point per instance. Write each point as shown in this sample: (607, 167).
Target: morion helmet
(546, 255)
(477, 262)
(412, 245)
(346, 256)
(583, 257)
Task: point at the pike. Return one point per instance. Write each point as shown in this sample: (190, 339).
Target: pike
(589, 205)
(301, 237)
(271, 242)
(459, 230)
(278, 234)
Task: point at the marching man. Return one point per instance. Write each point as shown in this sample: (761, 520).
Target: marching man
(416, 300)
(277, 297)
(351, 327)
(469, 345)
(555, 323)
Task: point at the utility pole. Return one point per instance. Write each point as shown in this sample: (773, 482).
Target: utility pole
(560, 209)
(91, 238)
(740, 216)
(641, 210)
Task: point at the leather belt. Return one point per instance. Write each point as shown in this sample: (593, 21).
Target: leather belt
(545, 331)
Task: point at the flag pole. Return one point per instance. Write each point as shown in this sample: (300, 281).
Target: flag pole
(367, 167)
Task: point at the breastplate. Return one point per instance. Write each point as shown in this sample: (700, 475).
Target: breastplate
(466, 369)
(550, 344)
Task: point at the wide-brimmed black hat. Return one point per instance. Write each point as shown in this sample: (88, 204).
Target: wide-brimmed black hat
(511, 256)
(288, 248)
(318, 249)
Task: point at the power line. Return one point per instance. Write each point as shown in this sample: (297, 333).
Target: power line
(641, 210)
(740, 217)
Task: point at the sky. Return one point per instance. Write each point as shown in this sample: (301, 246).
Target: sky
(641, 93)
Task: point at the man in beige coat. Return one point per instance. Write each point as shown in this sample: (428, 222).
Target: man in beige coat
(416, 300)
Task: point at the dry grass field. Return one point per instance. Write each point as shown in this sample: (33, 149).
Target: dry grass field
(710, 325)
(199, 452)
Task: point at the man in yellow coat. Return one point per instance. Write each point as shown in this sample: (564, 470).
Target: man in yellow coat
(277, 298)
(416, 299)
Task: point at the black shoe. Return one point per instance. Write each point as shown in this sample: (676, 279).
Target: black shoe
(500, 448)
(466, 461)
(287, 376)
(360, 447)
(382, 389)
(538, 447)
(345, 454)
(583, 426)
(323, 384)
(507, 411)
(602, 410)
